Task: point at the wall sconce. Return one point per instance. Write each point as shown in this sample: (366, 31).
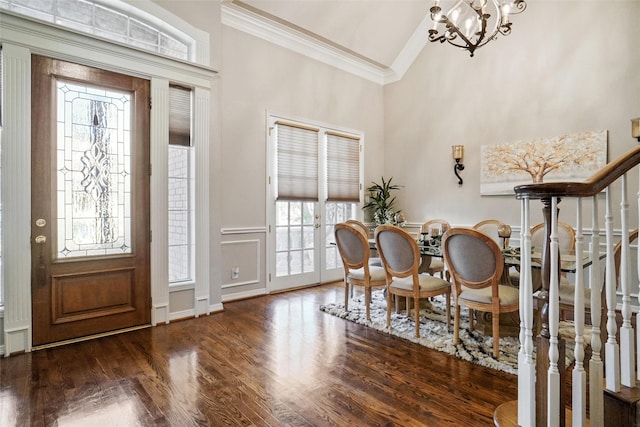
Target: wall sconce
(635, 128)
(457, 152)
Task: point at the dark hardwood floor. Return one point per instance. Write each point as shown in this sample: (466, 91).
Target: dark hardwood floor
(269, 361)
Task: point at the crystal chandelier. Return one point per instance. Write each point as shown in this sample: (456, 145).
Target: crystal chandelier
(470, 24)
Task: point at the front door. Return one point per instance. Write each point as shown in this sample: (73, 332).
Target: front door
(89, 201)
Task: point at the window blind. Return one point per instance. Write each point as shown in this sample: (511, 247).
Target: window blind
(343, 168)
(296, 162)
(179, 116)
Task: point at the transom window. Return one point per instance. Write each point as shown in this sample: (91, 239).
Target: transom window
(112, 19)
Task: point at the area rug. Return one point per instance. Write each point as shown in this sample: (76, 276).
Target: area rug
(472, 346)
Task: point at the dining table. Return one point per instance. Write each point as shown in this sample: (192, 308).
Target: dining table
(509, 322)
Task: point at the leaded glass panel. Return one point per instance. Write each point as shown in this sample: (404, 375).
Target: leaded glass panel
(94, 176)
(126, 26)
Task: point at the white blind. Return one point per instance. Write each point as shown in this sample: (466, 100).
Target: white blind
(343, 168)
(179, 116)
(297, 163)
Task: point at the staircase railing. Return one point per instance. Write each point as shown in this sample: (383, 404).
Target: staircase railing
(541, 370)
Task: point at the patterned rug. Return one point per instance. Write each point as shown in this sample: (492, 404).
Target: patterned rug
(472, 346)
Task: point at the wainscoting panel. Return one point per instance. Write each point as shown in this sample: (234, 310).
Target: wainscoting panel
(243, 263)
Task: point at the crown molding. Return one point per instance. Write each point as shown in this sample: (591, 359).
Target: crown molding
(409, 52)
(251, 23)
(242, 19)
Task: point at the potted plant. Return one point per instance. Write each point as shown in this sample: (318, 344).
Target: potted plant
(381, 201)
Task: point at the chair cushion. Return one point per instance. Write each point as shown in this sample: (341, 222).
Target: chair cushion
(427, 283)
(375, 273)
(508, 295)
(436, 264)
(567, 294)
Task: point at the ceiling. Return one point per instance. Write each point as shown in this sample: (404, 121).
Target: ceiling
(374, 30)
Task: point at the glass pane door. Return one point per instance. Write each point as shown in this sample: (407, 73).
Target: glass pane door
(93, 164)
(296, 237)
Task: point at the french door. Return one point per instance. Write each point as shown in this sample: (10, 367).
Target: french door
(301, 216)
(90, 201)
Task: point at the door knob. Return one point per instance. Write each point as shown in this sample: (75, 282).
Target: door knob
(40, 239)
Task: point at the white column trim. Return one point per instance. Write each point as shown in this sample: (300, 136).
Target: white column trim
(16, 198)
(202, 154)
(159, 200)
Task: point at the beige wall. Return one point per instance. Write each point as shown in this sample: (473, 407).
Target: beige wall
(259, 77)
(567, 67)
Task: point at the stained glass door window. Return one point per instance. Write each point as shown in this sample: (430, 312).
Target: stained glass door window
(93, 168)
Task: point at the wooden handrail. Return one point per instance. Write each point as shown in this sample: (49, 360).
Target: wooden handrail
(545, 192)
(592, 186)
(546, 380)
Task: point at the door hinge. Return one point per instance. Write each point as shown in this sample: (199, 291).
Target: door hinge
(269, 228)
(150, 103)
(269, 276)
(269, 180)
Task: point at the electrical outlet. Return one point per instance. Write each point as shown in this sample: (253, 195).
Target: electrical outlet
(235, 272)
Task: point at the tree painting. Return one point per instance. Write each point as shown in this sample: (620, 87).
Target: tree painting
(572, 157)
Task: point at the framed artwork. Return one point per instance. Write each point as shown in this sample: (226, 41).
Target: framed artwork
(572, 157)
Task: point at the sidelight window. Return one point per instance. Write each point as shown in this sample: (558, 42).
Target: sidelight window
(181, 183)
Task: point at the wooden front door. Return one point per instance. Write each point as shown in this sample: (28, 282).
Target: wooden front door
(89, 201)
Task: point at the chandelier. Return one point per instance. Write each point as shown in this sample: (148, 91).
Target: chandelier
(470, 24)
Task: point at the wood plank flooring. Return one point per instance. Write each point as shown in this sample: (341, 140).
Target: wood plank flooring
(268, 361)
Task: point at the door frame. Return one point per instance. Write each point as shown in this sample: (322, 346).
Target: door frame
(56, 280)
(324, 275)
(22, 37)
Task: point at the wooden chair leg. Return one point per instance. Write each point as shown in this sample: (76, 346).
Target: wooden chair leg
(495, 320)
(389, 308)
(416, 309)
(448, 310)
(367, 301)
(346, 295)
(471, 325)
(456, 323)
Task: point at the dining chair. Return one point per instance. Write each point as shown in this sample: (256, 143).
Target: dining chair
(360, 226)
(566, 290)
(436, 265)
(566, 236)
(475, 263)
(566, 242)
(490, 228)
(354, 250)
(374, 259)
(401, 259)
